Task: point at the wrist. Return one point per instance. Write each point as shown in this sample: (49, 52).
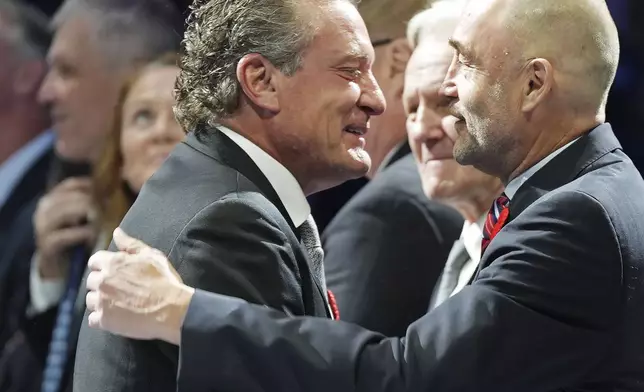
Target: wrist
(178, 308)
(49, 269)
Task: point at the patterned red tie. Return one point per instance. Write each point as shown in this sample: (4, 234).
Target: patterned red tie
(335, 311)
(495, 220)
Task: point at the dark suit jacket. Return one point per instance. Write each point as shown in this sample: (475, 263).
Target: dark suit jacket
(216, 216)
(326, 204)
(386, 248)
(557, 306)
(22, 346)
(31, 186)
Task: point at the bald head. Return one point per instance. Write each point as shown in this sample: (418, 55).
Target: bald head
(527, 77)
(578, 37)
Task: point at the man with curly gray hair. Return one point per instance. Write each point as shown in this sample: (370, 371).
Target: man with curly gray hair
(276, 96)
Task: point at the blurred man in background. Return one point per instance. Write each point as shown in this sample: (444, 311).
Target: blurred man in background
(96, 46)
(25, 147)
(466, 189)
(376, 261)
(25, 156)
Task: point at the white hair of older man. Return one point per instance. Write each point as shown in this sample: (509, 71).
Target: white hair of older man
(438, 21)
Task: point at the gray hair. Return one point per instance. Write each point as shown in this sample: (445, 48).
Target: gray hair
(128, 32)
(219, 33)
(25, 29)
(439, 19)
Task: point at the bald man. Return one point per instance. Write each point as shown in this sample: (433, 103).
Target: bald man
(557, 303)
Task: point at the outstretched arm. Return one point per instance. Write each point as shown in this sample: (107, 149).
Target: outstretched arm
(541, 316)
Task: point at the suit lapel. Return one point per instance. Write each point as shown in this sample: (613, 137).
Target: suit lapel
(565, 167)
(31, 185)
(221, 148)
(562, 169)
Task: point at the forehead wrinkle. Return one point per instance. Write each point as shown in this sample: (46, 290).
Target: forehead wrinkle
(356, 50)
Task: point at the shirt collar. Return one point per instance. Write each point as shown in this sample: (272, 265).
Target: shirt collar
(514, 185)
(285, 185)
(14, 168)
(471, 237)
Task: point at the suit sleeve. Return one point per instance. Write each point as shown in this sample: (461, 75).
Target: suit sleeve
(381, 277)
(235, 247)
(539, 317)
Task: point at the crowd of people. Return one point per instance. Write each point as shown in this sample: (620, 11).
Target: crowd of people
(161, 179)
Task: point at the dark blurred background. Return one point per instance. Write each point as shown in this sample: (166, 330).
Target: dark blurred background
(626, 106)
(50, 6)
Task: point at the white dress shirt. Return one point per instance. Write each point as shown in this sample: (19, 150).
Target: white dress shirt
(471, 236)
(16, 166)
(286, 186)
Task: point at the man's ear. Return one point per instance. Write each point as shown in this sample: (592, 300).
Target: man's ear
(539, 83)
(395, 58)
(27, 77)
(256, 76)
(398, 53)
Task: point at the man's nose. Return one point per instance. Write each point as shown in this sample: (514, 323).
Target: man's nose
(448, 88)
(372, 100)
(429, 123)
(45, 92)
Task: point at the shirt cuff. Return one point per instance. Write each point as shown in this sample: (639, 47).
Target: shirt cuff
(43, 293)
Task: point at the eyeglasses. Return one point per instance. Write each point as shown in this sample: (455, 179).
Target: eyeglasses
(380, 42)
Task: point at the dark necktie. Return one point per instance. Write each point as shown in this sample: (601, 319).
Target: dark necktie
(495, 220)
(310, 239)
(448, 280)
(60, 339)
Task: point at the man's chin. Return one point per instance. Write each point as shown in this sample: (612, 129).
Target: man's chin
(72, 153)
(361, 161)
(464, 152)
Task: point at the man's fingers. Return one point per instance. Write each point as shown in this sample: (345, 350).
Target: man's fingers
(94, 319)
(67, 238)
(74, 211)
(103, 259)
(83, 184)
(94, 280)
(91, 300)
(126, 243)
(98, 260)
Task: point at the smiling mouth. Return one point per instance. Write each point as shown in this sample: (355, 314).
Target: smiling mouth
(459, 119)
(356, 130)
(438, 160)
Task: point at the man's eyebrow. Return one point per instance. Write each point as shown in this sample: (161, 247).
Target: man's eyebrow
(454, 44)
(355, 53)
(459, 47)
(354, 56)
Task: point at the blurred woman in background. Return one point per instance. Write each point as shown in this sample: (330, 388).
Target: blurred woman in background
(145, 131)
